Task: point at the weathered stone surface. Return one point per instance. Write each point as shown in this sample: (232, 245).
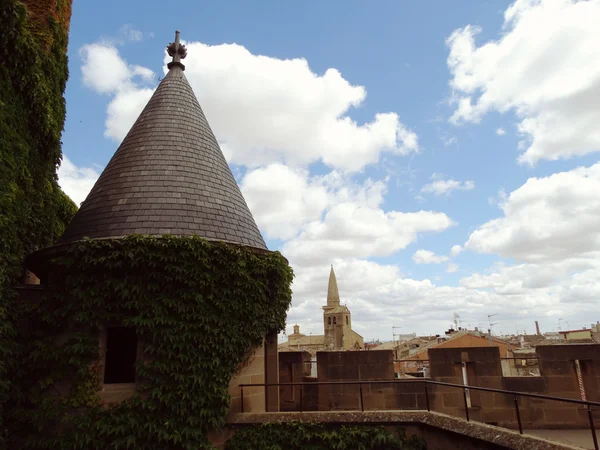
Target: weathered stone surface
(493, 435)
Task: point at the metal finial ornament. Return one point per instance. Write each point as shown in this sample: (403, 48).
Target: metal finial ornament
(177, 51)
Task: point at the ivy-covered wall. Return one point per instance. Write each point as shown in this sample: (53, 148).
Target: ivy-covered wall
(33, 209)
(307, 436)
(200, 309)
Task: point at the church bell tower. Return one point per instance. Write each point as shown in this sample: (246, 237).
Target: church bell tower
(336, 319)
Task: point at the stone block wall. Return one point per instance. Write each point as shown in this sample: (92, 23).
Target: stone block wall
(254, 397)
(310, 398)
(293, 368)
(557, 367)
(558, 379)
(252, 373)
(354, 366)
(271, 371)
(483, 369)
(408, 396)
(483, 365)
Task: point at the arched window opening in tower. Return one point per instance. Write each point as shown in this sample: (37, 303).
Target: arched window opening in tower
(346, 320)
(329, 321)
(335, 320)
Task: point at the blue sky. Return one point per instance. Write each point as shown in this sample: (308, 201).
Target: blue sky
(506, 56)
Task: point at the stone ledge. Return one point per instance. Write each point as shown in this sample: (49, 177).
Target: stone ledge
(495, 435)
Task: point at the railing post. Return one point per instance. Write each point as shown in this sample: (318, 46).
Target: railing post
(301, 398)
(518, 414)
(427, 397)
(592, 429)
(466, 404)
(241, 398)
(362, 402)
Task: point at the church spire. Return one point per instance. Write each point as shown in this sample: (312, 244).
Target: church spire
(333, 296)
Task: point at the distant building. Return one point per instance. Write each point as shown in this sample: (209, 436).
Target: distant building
(301, 342)
(337, 326)
(416, 357)
(405, 337)
(402, 349)
(527, 341)
(552, 335)
(571, 335)
(371, 345)
(524, 363)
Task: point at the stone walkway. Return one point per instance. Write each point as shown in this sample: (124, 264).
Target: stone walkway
(579, 438)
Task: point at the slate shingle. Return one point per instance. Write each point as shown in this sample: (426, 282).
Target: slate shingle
(168, 174)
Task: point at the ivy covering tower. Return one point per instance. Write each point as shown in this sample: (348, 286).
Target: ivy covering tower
(154, 297)
(33, 208)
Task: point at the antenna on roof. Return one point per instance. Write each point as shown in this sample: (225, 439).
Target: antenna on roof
(491, 326)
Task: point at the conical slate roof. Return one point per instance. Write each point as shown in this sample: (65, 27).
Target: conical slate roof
(168, 176)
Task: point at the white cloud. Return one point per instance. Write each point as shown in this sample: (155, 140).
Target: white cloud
(546, 219)
(121, 82)
(268, 111)
(455, 250)
(263, 110)
(380, 297)
(331, 216)
(449, 140)
(567, 288)
(452, 268)
(543, 67)
(128, 33)
(96, 59)
(352, 230)
(428, 257)
(500, 131)
(131, 33)
(75, 181)
(522, 278)
(377, 295)
(272, 110)
(549, 225)
(282, 199)
(499, 200)
(439, 186)
(126, 103)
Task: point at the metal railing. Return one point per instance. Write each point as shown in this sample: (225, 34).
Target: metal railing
(425, 383)
(409, 366)
(517, 358)
(427, 360)
(409, 360)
